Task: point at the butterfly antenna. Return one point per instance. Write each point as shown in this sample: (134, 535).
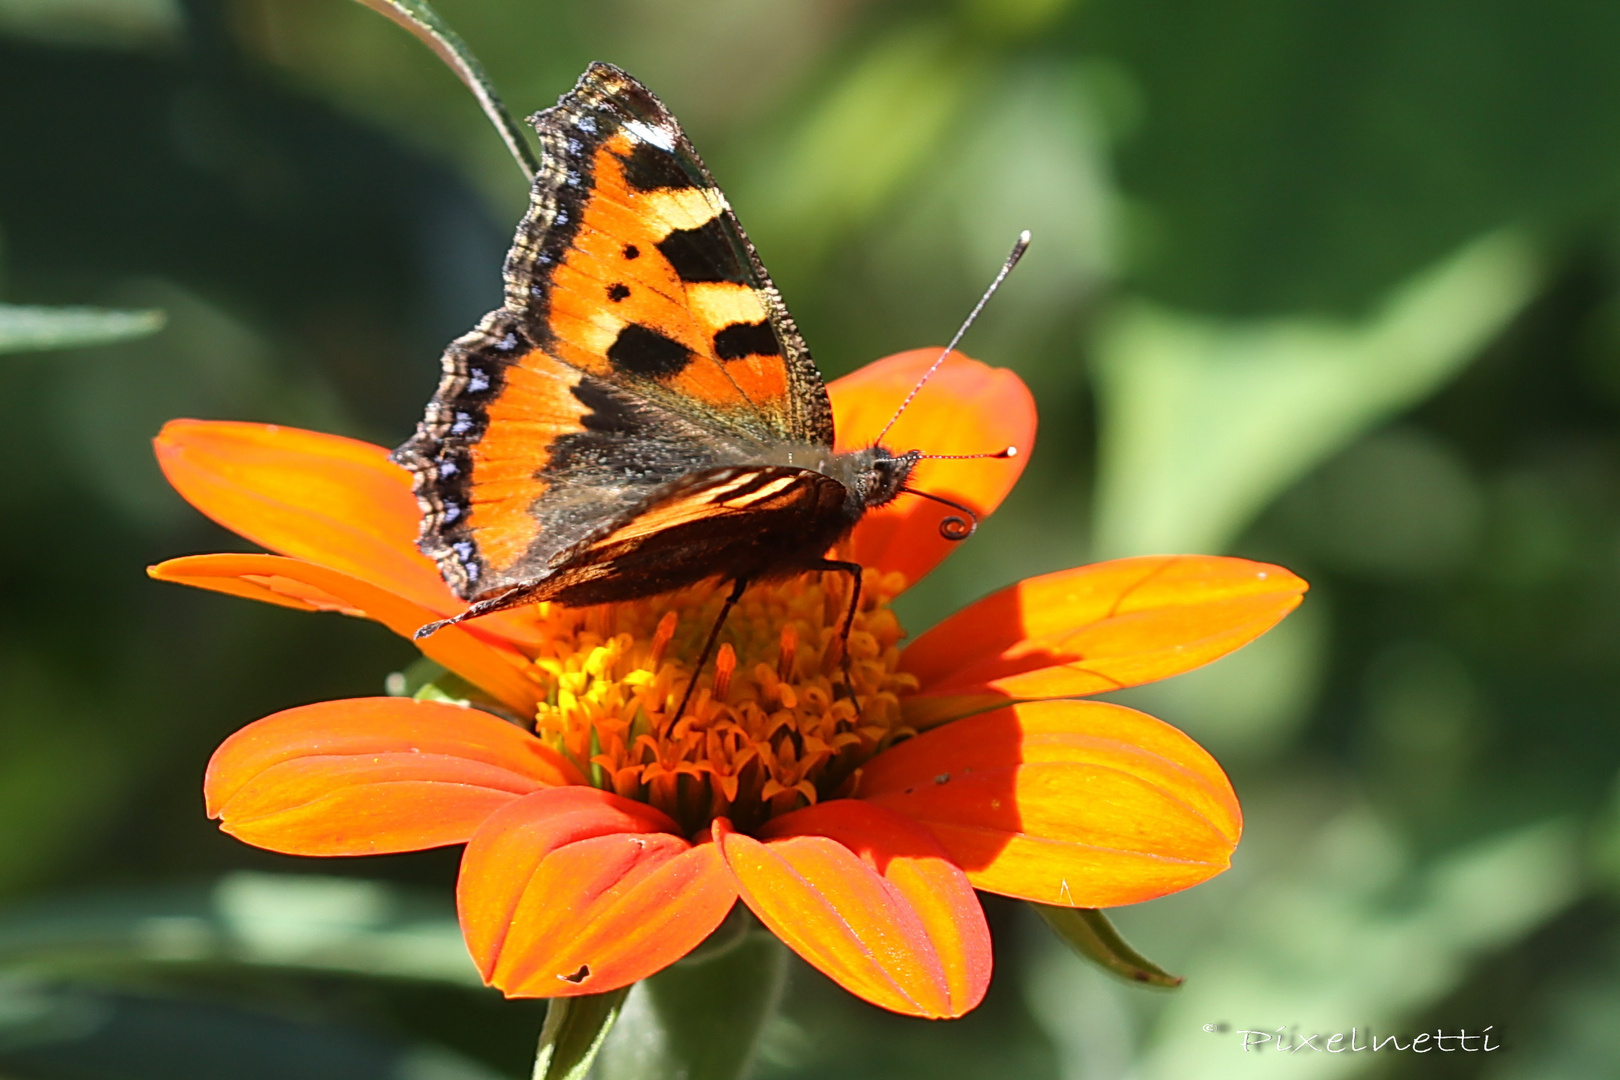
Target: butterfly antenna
(1004, 452)
(1006, 268)
(953, 527)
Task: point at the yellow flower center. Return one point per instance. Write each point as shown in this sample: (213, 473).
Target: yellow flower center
(778, 720)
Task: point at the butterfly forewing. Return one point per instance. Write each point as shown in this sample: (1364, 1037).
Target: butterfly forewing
(640, 343)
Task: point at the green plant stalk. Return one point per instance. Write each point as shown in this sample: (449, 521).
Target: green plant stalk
(700, 1018)
(420, 19)
(574, 1030)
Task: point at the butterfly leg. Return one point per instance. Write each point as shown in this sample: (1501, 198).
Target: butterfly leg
(737, 588)
(853, 569)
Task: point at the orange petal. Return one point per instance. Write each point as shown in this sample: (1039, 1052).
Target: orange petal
(1077, 803)
(578, 891)
(1094, 628)
(335, 502)
(488, 663)
(872, 901)
(966, 408)
(372, 775)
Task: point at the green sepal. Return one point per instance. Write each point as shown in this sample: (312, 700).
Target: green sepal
(574, 1030)
(1088, 932)
(701, 1018)
(425, 680)
(449, 688)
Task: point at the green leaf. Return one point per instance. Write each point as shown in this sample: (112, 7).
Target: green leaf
(291, 922)
(573, 1033)
(32, 329)
(162, 1032)
(420, 19)
(1088, 932)
(700, 1019)
(1205, 421)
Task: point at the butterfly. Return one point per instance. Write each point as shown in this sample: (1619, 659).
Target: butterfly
(641, 413)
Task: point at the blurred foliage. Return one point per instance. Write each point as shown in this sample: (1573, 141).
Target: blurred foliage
(1332, 284)
(1205, 422)
(34, 329)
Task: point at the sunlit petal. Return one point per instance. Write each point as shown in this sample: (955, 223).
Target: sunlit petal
(577, 891)
(1094, 628)
(335, 502)
(966, 408)
(872, 901)
(371, 775)
(1065, 802)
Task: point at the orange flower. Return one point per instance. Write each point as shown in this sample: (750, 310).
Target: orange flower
(605, 841)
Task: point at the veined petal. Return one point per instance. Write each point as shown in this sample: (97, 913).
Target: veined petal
(966, 408)
(872, 901)
(1078, 803)
(372, 775)
(487, 662)
(335, 502)
(1094, 628)
(578, 891)
(328, 500)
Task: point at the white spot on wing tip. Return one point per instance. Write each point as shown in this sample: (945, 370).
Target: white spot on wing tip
(659, 137)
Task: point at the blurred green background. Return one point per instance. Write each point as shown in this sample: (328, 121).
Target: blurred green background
(1333, 284)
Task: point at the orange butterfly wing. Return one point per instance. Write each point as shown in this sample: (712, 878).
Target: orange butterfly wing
(641, 342)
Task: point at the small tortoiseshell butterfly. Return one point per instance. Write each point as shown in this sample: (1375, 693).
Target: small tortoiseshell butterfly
(641, 414)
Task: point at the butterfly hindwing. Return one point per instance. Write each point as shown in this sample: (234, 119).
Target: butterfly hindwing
(735, 516)
(641, 342)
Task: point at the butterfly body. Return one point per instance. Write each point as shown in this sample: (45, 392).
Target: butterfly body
(641, 413)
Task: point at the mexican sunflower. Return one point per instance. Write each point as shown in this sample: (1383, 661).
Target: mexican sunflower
(854, 804)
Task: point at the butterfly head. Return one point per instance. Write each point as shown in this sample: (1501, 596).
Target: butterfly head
(877, 476)
(874, 476)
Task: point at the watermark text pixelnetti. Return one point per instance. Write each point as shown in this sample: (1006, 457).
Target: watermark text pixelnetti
(1291, 1040)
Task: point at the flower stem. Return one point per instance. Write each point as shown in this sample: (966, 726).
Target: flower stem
(574, 1030)
(702, 1018)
